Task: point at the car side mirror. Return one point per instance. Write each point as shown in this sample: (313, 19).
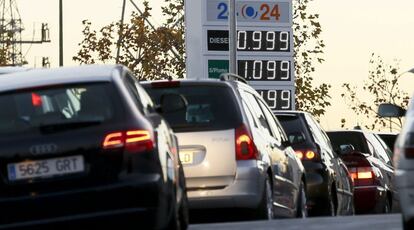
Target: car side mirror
(346, 149)
(390, 110)
(171, 103)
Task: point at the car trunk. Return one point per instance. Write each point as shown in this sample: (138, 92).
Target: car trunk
(209, 158)
(50, 163)
(205, 130)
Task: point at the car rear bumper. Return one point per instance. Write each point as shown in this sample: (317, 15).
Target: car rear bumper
(369, 199)
(132, 195)
(244, 192)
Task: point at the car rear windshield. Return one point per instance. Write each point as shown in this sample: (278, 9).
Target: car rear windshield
(55, 108)
(356, 139)
(209, 108)
(294, 128)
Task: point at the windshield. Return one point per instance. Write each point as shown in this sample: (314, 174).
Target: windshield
(209, 108)
(80, 105)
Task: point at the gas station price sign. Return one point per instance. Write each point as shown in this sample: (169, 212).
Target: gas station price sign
(272, 40)
(264, 41)
(264, 12)
(278, 98)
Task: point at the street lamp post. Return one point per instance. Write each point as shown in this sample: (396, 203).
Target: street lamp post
(232, 37)
(60, 33)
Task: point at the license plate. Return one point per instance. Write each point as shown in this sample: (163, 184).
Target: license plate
(45, 168)
(186, 158)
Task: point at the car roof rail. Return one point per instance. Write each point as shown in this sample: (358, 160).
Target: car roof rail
(232, 77)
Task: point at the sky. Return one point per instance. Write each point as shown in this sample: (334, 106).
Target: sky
(352, 31)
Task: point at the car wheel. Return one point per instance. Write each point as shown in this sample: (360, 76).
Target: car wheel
(183, 212)
(302, 210)
(265, 209)
(174, 222)
(407, 224)
(387, 206)
(330, 207)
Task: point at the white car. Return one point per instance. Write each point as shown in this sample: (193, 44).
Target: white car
(404, 160)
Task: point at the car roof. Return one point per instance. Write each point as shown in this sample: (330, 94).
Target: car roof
(65, 75)
(289, 113)
(385, 133)
(347, 131)
(185, 82)
(13, 69)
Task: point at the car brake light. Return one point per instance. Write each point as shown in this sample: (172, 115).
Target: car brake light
(36, 100)
(306, 155)
(362, 175)
(245, 147)
(134, 141)
(299, 154)
(165, 84)
(113, 140)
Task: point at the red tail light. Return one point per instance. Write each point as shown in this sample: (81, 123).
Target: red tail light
(409, 152)
(310, 155)
(134, 141)
(36, 100)
(245, 147)
(362, 176)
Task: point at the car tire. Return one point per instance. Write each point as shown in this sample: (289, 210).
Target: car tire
(183, 212)
(387, 206)
(407, 224)
(265, 209)
(180, 218)
(301, 209)
(330, 206)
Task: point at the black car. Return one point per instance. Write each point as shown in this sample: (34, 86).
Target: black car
(371, 168)
(329, 185)
(86, 142)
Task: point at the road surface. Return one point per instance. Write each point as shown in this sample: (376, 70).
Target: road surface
(375, 222)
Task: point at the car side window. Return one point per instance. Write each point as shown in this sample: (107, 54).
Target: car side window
(314, 130)
(271, 120)
(257, 111)
(385, 146)
(146, 100)
(317, 131)
(249, 114)
(382, 154)
(130, 85)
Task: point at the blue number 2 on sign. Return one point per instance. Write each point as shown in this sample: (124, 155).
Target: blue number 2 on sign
(223, 15)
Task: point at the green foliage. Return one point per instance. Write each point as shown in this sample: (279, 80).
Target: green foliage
(382, 87)
(308, 53)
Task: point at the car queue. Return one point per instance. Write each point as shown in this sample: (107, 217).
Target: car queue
(92, 142)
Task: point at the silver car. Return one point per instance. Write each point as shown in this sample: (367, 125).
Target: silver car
(234, 151)
(404, 160)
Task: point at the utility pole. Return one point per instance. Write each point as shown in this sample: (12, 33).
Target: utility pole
(232, 37)
(60, 33)
(118, 52)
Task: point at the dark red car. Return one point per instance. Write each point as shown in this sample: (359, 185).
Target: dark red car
(370, 165)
